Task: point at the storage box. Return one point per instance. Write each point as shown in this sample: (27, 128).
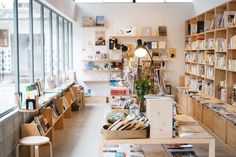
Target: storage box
(125, 134)
(160, 114)
(219, 126)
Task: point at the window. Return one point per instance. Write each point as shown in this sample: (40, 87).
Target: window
(7, 54)
(61, 57)
(38, 55)
(66, 44)
(70, 47)
(25, 47)
(54, 43)
(47, 45)
(42, 48)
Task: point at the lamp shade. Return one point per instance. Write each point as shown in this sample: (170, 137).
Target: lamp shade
(140, 50)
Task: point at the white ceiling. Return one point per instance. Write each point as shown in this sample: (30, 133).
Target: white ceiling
(130, 1)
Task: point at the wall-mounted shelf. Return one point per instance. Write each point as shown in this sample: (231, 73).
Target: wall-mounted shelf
(95, 81)
(101, 70)
(103, 61)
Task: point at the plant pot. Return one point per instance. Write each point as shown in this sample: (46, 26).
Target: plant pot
(141, 93)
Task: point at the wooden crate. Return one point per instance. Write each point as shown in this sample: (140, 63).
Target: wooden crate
(197, 111)
(231, 134)
(207, 118)
(219, 126)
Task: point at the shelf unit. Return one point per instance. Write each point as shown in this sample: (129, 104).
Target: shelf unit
(214, 42)
(56, 123)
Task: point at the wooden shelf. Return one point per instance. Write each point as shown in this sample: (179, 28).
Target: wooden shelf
(107, 60)
(93, 27)
(94, 81)
(102, 70)
(233, 71)
(220, 68)
(138, 36)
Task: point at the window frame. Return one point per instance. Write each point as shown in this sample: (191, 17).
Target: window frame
(15, 46)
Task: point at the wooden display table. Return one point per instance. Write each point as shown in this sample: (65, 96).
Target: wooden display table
(196, 138)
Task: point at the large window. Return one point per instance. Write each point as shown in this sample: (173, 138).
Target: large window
(55, 44)
(38, 55)
(61, 49)
(7, 54)
(70, 47)
(47, 45)
(66, 43)
(25, 46)
(35, 43)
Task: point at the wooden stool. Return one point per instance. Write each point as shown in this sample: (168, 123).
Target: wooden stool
(34, 142)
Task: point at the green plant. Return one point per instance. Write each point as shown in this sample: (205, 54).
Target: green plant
(142, 84)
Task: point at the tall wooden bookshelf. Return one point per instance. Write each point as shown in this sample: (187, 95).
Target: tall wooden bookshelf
(209, 49)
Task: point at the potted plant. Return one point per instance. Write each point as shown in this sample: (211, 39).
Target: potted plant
(142, 86)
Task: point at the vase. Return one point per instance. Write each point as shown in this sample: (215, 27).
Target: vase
(141, 93)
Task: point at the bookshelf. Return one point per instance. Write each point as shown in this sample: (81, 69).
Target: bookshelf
(210, 57)
(62, 105)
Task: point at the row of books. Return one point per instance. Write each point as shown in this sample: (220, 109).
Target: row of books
(220, 61)
(42, 124)
(221, 20)
(195, 57)
(232, 64)
(209, 59)
(232, 42)
(197, 70)
(219, 45)
(209, 72)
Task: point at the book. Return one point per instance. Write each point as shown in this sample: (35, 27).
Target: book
(146, 31)
(87, 21)
(100, 20)
(39, 126)
(162, 31)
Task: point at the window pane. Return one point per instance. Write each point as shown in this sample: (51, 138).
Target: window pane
(70, 48)
(24, 43)
(61, 58)
(149, 1)
(47, 46)
(7, 53)
(38, 55)
(66, 46)
(54, 39)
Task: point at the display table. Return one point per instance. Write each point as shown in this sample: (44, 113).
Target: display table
(202, 138)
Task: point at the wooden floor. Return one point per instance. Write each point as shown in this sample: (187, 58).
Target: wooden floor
(80, 137)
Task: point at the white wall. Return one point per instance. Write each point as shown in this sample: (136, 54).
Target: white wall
(200, 6)
(66, 7)
(119, 16)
